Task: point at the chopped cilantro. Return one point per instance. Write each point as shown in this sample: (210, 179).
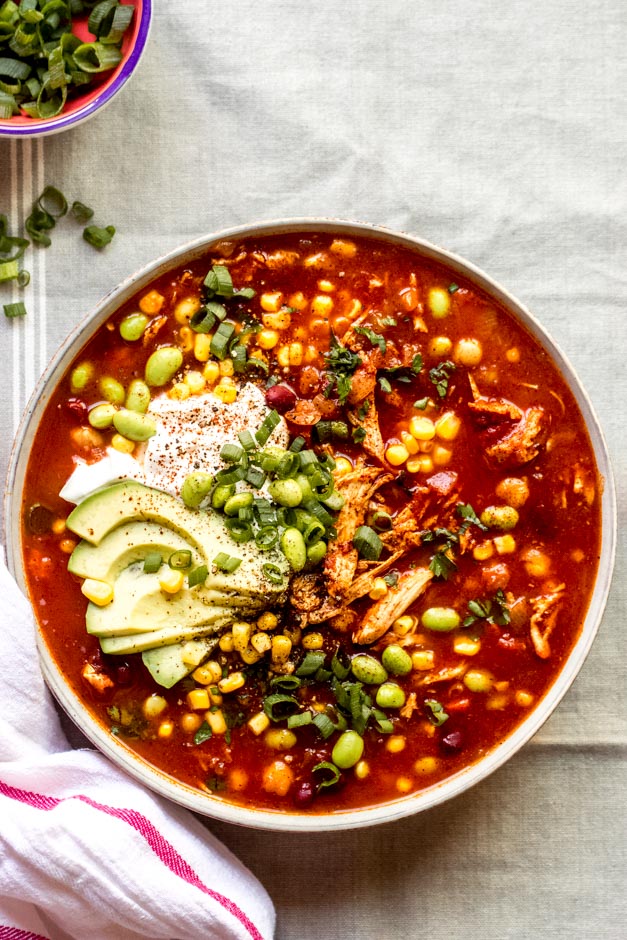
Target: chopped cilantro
(440, 376)
(359, 435)
(341, 364)
(389, 321)
(216, 783)
(421, 403)
(385, 385)
(375, 338)
(453, 288)
(492, 610)
(442, 563)
(203, 734)
(363, 409)
(437, 714)
(470, 517)
(391, 579)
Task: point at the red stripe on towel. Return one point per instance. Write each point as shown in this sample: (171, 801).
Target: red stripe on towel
(160, 846)
(14, 933)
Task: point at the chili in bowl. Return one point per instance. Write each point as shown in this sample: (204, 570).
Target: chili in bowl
(327, 530)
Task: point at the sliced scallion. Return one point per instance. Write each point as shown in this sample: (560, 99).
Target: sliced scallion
(14, 310)
(311, 663)
(152, 562)
(266, 537)
(328, 773)
(198, 576)
(81, 212)
(180, 560)
(368, 543)
(300, 719)
(267, 426)
(279, 706)
(98, 237)
(219, 346)
(231, 453)
(226, 563)
(273, 573)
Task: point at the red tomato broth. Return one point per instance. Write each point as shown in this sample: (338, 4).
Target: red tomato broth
(564, 525)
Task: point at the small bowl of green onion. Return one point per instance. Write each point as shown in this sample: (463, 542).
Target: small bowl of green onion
(61, 63)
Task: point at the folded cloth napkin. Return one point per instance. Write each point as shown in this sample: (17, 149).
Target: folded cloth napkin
(84, 851)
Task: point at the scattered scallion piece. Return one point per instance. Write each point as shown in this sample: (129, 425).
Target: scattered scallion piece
(226, 563)
(14, 310)
(98, 237)
(198, 576)
(368, 543)
(81, 212)
(180, 560)
(328, 773)
(152, 562)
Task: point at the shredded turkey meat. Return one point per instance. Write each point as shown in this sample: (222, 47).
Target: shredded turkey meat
(511, 436)
(544, 619)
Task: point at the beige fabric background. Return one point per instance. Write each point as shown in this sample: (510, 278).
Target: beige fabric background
(500, 132)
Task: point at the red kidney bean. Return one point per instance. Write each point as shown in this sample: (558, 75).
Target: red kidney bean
(304, 794)
(77, 408)
(454, 741)
(281, 397)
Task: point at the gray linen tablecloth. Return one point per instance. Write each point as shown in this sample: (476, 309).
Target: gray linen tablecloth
(500, 132)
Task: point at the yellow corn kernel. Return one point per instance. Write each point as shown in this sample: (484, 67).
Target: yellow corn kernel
(281, 649)
(378, 590)
(440, 346)
(409, 442)
(422, 428)
(215, 697)
(98, 592)
(354, 309)
(171, 580)
(294, 633)
(165, 729)
(202, 347)
(502, 686)
(362, 769)
(447, 427)
(86, 437)
(313, 641)
(466, 645)
(468, 352)
(226, 642)
(342, 466)
(439, 301)
(152, 302)
(420, 464)
(226, 393)
(197, 699)
(426, 765)
(58, 526)
(404, 625)
(216, 721)
(267, 621)
(259, 723)
(233, 682)
(523, 698)
(423, 659)
(505, 544)
(67, 546)
(483, 551)
(513, 355)
(186, 339)
(277, 778)
(396, 454)
(281, 320)
(122, 444)
(441, 455)
(283, 356)
(250, 655)
(271, 301)
(497, 702)
(296, 354)
(241, 633)
(327, 286)
(343, 248)
(478, 680)
(537, 563)
(153, 706)
(185, 309)
(404, 784)
(280, 739)
(427, 729)
(227, 369)
(211, 372)
(311, 354)
(297, 301)
(396, 743)
(322, 305)
(195, 382)
(180, 391)
(238, 779)
(267, 339)
(315, 261)
(207, 673)
(190, 722)
(261, 642)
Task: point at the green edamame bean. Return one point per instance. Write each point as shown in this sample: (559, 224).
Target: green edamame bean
(81, 376)
(368, 670)
(195, 488)
(396, 660)
(500, 517)
(132, 327)
(441, 619)
(101, 416)
(316, 552)
(162, 365)
(294, 548)
(286, 492)
(237, 502)
(221, 494)
(112, 390)
(348, 750)
(134, 426)
(138, 396)
(390, 695)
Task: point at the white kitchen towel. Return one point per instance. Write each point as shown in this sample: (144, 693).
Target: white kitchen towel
(84, 851)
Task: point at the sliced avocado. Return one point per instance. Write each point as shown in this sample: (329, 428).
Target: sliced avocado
(169, 664)
(124, 546)
(125, 645)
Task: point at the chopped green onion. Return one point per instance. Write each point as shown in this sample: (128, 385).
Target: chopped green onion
(269, 423)
(288, 465)
(340, 665)
(368, 543)
(9, 271)
(255, 477)
(219, 346)
(380, 521)
(225, 477)
(421, 404)
(253, 363)
(326, 767)
(152, 562)
(247, 441)
(319, 512)
(285, 683)
(452, 288)
(311, 663)
(219, 281)
(313, 533)
(231, 453)
(98, 237)
(239, 531)
(246, 292)
(266, 537)
(203, 321)
(324, 724)
(299, 719)
(53, 202)
(334, 501)
(14, 310)
(273, 573)
(23, 278)
(198, 576)
(280, 702)
(297, 445)
(437, 714)
(239, 357)
(181, 559)
(81, 212)
(226, 563)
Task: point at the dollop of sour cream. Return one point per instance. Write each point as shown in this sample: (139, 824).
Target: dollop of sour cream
(190, 435)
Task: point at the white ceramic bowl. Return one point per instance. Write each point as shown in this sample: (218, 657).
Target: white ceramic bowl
(281, 820)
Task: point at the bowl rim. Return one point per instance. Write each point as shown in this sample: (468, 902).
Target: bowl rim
(45, 127)
(282, 820)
